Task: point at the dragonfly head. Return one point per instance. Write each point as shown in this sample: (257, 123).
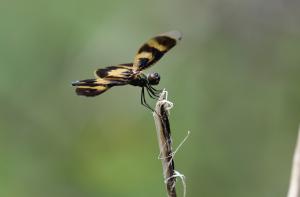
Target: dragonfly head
(153, 78)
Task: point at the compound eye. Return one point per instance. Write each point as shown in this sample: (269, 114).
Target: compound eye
(154, 78)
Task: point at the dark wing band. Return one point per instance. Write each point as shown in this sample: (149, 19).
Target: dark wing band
(154, 49)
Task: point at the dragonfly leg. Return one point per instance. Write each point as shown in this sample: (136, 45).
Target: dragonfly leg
(150, 93)
(143, 100)
(155, 93)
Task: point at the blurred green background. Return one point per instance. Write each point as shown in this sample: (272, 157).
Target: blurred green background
(234, 80)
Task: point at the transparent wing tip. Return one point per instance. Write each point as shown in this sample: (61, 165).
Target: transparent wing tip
(177, 35)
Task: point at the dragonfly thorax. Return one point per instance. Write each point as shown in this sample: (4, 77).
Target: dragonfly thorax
(142, 80)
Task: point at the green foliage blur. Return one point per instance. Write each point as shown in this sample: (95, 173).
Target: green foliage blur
(234, 80)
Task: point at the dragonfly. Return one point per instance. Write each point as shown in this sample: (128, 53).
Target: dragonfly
(132, 73)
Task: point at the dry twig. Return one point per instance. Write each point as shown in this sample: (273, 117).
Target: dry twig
(161, 119)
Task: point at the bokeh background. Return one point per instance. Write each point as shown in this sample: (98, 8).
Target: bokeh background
(234, 80)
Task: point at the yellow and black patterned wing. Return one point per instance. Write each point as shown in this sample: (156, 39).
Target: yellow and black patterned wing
(121, 73)
(154, 49)
(105, 78)
(92, 87)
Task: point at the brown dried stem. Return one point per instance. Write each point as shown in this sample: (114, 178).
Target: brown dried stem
(161, 119)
